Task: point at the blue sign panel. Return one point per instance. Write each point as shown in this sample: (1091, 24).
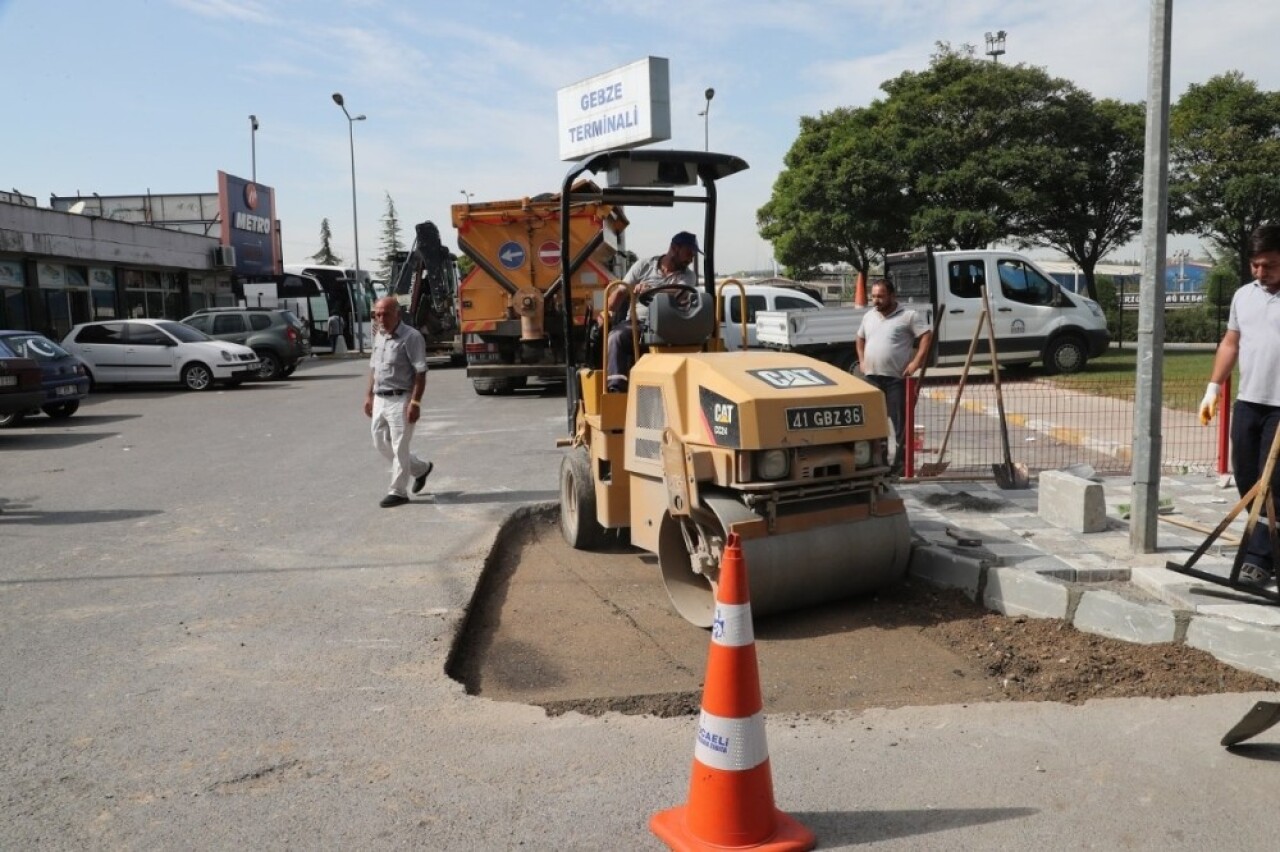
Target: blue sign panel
(511, 255)
(248, 224)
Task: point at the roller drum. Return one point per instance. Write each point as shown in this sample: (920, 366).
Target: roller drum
(794, 570)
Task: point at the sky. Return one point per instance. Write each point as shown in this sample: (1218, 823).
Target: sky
(121, 97)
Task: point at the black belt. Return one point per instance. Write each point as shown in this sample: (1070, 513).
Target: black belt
(390, 393)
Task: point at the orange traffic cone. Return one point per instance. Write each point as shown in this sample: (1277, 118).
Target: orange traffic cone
(731, 792)
(860, 291)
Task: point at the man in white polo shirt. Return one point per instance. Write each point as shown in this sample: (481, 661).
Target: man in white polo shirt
(885, 341)
(1253, 338)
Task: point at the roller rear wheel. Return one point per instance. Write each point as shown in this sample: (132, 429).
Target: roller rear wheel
(578, 519)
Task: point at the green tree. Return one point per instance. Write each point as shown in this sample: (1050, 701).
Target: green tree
(962, 155)
(392, 245)
(1225, 163)
(325, 256)
(972, 137)
(839, 199)
(1088, 198)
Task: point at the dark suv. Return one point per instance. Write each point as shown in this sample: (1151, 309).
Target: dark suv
(277, 336)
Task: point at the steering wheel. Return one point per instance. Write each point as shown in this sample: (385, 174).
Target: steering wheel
(685, 290)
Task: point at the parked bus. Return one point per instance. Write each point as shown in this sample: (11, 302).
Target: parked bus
(351, 299)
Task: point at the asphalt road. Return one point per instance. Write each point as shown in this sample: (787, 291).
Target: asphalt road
(212, 637)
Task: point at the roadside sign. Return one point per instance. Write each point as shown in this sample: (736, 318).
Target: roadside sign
(511, 255)
(549, 253)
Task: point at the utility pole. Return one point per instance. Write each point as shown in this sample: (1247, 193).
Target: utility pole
(1150, 372)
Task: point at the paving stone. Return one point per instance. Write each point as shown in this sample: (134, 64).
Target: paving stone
(1049, 566)
(1014, 591)
(1108, 614)
(1013, 550)
(1255, 649)
(947, 570)
(1072, 502)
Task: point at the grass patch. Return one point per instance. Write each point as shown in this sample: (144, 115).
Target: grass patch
(1115, 374)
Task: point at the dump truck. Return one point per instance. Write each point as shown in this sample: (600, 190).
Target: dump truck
(789, 452)
(511, 306)
(426, 286)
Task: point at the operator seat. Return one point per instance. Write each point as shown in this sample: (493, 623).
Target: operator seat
(680, 319)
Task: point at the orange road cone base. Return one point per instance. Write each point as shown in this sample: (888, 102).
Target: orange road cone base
(672, 828)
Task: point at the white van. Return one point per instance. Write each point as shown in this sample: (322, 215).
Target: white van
(760, 297)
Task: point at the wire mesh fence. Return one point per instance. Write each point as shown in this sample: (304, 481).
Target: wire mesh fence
(1053, 423)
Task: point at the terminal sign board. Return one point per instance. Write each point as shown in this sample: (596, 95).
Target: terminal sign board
(623, 108)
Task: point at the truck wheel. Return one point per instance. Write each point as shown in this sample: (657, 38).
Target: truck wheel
(1066, 354)
(8, 421)
(484, 387)
(846, 361)
(578, 520)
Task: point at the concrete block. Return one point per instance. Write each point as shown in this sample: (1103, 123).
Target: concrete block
(1072, 502)
(947, 570)
(1014, 591)
(1255, 649)
(1109, 614)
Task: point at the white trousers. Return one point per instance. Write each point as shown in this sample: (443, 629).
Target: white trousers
(392, 433)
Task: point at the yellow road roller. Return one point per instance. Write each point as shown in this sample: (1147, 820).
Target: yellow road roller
(785, 450)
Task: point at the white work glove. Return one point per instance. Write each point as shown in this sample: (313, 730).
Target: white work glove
(1209, 405)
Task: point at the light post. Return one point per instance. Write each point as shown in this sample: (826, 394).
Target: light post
(467, 195)
(706, 120)
(253, 145)
(356, 326)
(995, 45)
(1181, 257)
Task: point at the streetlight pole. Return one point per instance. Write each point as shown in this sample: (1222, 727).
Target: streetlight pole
(995, 45)
(706, 120)
(253, 145)
(356, 326)
(467, 195)
(1181, 257)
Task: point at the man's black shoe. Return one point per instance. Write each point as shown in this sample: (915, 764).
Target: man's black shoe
(419, 482)
(393, 500)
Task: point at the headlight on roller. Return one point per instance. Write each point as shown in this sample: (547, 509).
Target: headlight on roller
(773, 464)
(861, 453)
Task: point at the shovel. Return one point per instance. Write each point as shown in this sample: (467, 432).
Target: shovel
(1008, 475)
(934, 468)
(1261, 716)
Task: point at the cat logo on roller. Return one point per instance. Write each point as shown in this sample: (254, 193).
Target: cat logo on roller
(793, 378)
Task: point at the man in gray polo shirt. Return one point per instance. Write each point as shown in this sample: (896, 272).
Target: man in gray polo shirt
(885, 341)
(397, 380)
(1253, 338)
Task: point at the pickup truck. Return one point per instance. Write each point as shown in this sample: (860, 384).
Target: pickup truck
(760, 298)
(1035, 320)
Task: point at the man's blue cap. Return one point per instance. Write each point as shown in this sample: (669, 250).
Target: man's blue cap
(684, 239)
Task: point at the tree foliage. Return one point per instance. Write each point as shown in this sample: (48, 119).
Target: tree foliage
(1087, 200)
(392, 246)
(325, 255)
(962, 155)
(1225, 163)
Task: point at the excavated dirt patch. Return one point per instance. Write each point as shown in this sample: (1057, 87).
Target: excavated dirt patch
(594, 632)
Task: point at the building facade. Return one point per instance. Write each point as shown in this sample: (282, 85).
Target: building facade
(59, 268)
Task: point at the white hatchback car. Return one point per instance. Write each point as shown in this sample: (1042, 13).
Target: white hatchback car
(148, 350)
